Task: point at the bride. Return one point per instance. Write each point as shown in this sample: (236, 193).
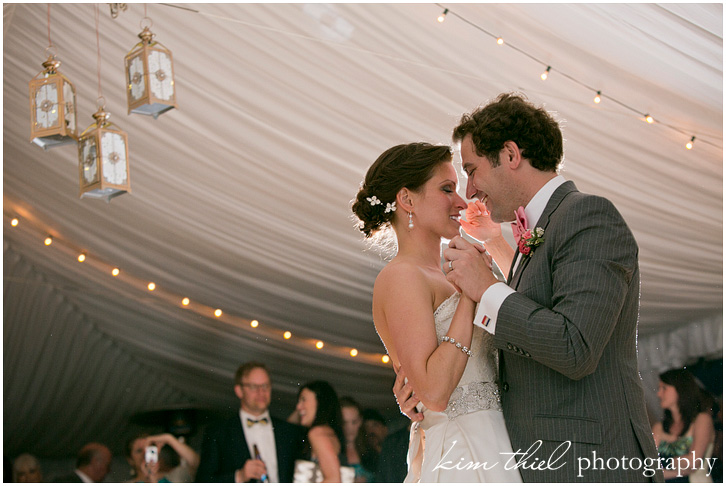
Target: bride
(426, 325)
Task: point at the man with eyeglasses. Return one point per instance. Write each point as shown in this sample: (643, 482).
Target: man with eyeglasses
(251, 446)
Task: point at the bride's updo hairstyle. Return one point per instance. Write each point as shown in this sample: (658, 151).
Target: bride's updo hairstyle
(411, 166)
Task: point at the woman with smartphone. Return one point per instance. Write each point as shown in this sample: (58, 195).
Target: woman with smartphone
(144, 455)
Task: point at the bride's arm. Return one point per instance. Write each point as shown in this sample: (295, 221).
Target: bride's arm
(406, 302)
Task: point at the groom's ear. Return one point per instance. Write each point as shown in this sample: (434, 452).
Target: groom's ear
(403, 199)
(512, 154)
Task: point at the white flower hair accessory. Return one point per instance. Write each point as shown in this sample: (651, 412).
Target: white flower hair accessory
(390, 207)
(374, 200)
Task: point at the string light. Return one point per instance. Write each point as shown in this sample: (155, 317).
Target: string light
(649, 119)
(689, 145)
(545, 73)
(442, 17)
(597, 99)
(98, 264)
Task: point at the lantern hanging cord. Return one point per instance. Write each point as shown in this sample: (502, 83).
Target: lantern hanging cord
(50, 44)
(98, 50)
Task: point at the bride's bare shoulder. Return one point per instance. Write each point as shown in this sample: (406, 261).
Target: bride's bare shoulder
(399, 275)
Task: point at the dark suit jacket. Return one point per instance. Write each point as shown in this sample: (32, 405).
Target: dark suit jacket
(68, 478)
(224, 450)
(568, 365)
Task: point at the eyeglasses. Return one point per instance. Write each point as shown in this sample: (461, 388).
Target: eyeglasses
(265, 387)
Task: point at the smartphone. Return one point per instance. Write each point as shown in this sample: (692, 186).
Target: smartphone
(151, 455)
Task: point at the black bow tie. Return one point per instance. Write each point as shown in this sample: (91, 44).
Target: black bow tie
(262, 421)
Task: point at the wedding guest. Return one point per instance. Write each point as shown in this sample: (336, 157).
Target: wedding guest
(228, 447)
(355, 449)
(392, 464)
(135, 453)
(318, 409)
(175, 461)
(374, 426)
(26, 469)
(687, 430)
(92, 465)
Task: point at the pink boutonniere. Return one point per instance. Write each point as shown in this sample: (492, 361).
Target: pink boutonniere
(527, 239)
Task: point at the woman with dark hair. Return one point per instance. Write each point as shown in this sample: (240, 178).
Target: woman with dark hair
(410, 193)
(687, 430)
(319, 410)
(356, 453)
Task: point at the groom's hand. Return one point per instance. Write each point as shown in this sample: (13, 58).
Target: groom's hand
(470, 268)
(405, 397)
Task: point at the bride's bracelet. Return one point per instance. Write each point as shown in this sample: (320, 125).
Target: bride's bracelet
(463, 349)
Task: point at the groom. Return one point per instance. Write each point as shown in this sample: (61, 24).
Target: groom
(565, 322)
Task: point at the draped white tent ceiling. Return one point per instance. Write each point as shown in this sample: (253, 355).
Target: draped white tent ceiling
(241, 197)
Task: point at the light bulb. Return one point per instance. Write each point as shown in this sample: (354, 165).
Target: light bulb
(319, 345)
(597, 98)
(649, 119)
(254, 323)
(442, 17)
(14, 222)
(287, 335)
(115, 272)
(545, 73)
(151, 286)
(48, 241)
(185, 301)
(82, 257)
(385, 358)
(354, 352)
(218, 312)
(689, 145)
(500, 41)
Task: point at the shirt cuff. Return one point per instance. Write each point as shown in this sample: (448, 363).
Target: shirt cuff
(489, 304)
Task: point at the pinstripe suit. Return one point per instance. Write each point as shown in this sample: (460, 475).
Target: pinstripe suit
(567, 336)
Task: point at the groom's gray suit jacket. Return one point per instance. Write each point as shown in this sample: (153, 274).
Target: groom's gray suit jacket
(568, 364)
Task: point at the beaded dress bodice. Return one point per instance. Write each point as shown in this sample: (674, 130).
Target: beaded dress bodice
(477, 388)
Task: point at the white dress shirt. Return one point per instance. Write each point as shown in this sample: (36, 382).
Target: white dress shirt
(263, 436)
(493, 297)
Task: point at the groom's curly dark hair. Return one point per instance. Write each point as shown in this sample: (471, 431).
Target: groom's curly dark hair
(511, 117)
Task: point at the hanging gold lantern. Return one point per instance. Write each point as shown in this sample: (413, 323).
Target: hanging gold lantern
(52, 107)
(103, 159)
(149, 77)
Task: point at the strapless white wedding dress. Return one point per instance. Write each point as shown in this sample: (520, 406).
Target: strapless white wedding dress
(467, 442)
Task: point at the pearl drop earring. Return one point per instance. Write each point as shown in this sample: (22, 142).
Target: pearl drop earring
(410, 220)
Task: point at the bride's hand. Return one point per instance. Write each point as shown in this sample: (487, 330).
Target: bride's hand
(405, 397)
(479, 223)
